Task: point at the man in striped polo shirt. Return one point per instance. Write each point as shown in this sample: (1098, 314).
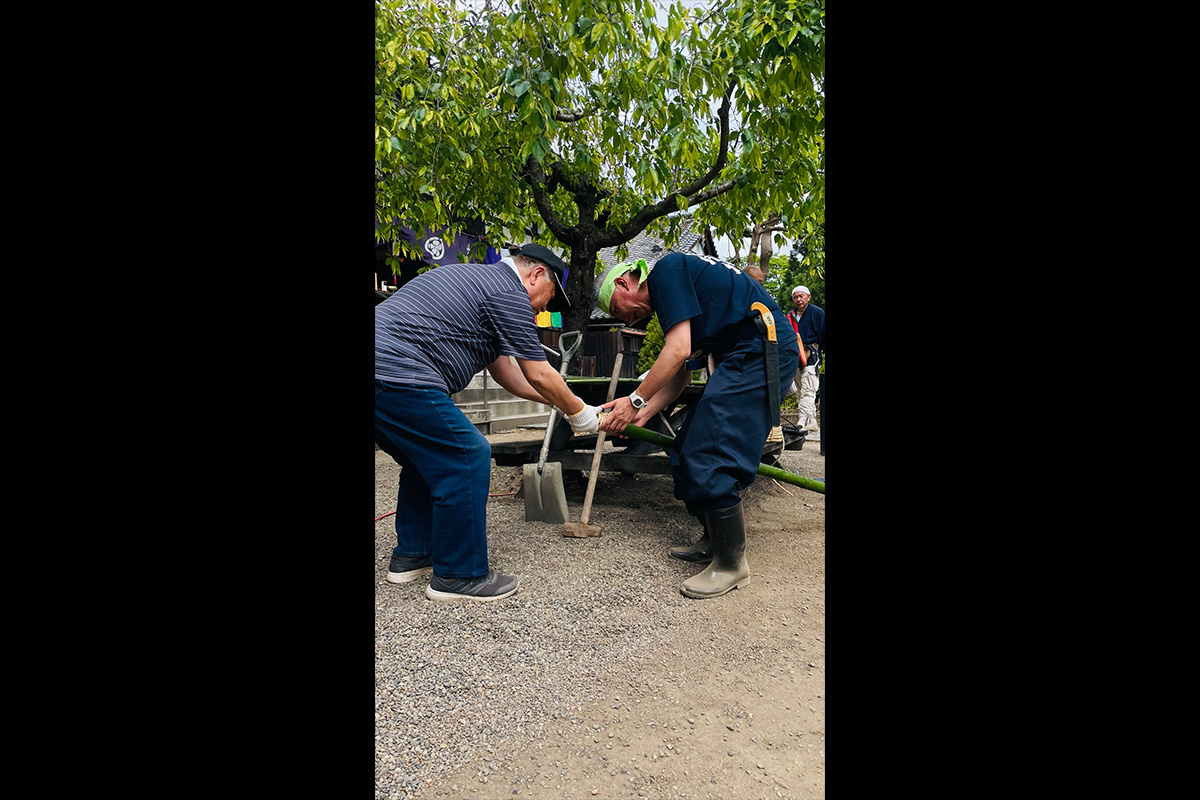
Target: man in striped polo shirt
(431, 337)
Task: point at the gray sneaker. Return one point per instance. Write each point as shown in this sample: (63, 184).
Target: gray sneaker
(404, 570)
(492, 586)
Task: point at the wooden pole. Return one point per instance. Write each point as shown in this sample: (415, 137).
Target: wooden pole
(591, 487)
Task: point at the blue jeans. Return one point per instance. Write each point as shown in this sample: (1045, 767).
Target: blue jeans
(446, 470)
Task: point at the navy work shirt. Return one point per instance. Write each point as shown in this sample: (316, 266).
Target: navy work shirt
(713, 295)
(810, 325)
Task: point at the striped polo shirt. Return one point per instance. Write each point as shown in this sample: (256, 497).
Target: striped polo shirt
(445, 325)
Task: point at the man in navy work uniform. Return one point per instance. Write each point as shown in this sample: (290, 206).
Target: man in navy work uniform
(431, 337)
(707, 307)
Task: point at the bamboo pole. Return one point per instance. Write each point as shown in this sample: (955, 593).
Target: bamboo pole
(664, 441)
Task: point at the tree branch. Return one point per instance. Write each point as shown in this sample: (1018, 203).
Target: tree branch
(692, 192)
(535, 176)
(711, 192)
(722, 149)
(716, 7)
(574, 116)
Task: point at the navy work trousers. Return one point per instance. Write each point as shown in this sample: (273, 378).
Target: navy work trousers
(719, 447)
(822, 398)
(446, 470)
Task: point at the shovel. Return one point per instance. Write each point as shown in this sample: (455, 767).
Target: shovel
(545, 499)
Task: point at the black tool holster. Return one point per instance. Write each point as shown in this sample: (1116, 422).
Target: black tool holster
(771, 361)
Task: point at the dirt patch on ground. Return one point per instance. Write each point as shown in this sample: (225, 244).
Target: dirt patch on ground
(598, 678)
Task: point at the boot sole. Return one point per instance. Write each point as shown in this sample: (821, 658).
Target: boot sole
(701, 596)
(434, 594)
(410, 576)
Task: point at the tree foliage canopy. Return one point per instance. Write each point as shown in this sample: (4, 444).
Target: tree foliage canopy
(581, 123)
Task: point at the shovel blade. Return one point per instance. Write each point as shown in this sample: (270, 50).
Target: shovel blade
(545, 499)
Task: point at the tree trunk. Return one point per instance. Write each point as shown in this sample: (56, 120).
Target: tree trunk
(762, 244)
(594, 228)
(581, 288)
(764, 259)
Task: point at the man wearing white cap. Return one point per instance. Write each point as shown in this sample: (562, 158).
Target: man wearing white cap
(808, 321)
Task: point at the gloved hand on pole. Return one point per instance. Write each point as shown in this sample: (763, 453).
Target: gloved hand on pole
(584, 420)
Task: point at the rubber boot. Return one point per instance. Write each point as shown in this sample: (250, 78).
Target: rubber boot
(728, 570)
(701, 551)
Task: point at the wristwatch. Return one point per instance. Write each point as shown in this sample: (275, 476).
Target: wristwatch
(637, 400)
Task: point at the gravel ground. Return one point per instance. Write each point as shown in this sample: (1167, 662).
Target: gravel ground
(598, 678)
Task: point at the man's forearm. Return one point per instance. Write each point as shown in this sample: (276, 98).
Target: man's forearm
(509, 376)
(670, 362)
(667, 394)
(547, 382)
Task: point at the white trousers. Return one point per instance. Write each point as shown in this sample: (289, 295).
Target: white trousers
(806, 378)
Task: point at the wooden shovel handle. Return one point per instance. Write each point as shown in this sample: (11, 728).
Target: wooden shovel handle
(591, 487)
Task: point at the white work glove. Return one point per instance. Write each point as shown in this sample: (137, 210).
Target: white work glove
(585, 421)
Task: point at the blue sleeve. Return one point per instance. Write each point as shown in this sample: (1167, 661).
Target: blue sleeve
(672, 293)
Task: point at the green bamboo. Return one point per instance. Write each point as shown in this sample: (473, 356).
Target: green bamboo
(664, 441)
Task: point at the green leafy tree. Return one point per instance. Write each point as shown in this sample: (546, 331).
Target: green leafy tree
(582, 123)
